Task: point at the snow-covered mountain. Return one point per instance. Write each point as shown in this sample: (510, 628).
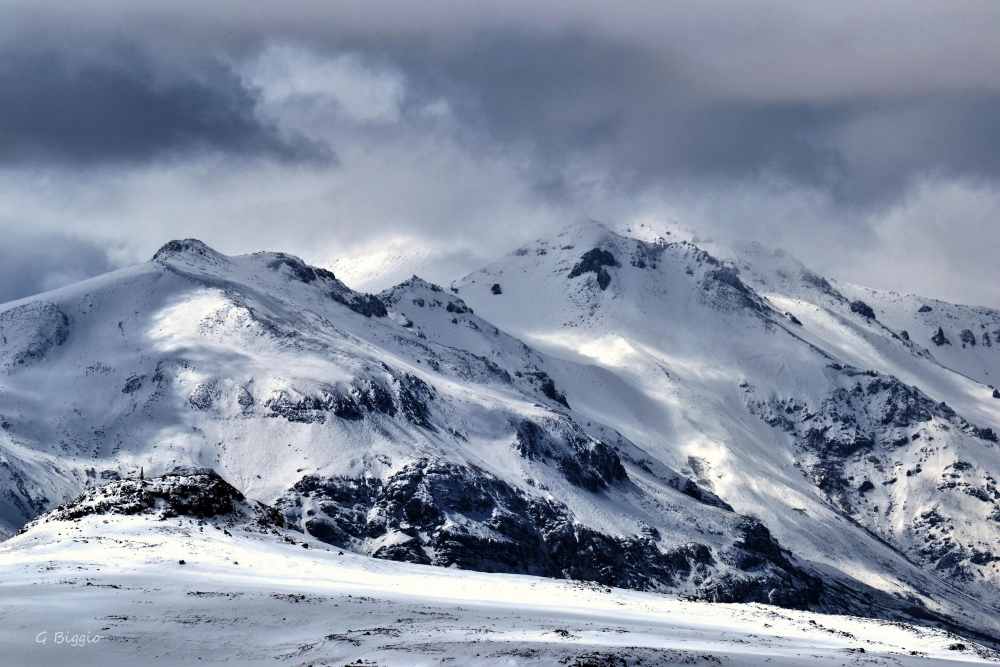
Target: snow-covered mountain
(638, 413)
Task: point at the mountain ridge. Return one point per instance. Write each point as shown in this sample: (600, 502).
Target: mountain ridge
(407, 426)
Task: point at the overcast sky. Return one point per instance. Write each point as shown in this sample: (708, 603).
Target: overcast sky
(863, 137)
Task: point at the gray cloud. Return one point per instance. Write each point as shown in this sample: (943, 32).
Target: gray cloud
(65, 107)
(576, 96)
(34, 263)
(561, 82)
(829, 131)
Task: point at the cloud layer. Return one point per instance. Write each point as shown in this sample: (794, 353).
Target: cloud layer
(861, 137)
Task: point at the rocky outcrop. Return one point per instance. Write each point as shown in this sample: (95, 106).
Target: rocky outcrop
(874, 411)
(583, 460)
(862, 309)
(29, 332)
(186, 492)
(594, 261)
(445, 514)
(729, 291)
(405, 394)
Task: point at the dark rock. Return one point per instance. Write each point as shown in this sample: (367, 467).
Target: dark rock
(299, 269)
(865, 487)
(548, 387)
(584, 461)
(924, 309)
(984, 433)
(939, 338)
(414, 394)
(793, 319)
(996, 393)
(200, 398)
(594, 261)
(733, 291)
(869, 414)
(445, 514)
(197, 493)
(362, 397)
(363, 304)
(133, 384)
(496, 289)
(690, 489)
(967, 338)
(819, 283)
(862, 309)
(729, 276)
(905, 335)
(186, 247)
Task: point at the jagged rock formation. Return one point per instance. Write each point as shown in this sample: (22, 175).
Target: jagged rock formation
(460, 516)
(192, 493)
(594, 261)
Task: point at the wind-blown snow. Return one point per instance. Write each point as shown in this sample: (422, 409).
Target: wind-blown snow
(247, 599)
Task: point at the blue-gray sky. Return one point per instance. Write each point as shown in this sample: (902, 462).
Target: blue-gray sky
(864, 137)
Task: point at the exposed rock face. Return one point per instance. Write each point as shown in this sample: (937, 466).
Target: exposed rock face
(820, 283)
(594, 261)
(192, 247)
(967, 338)
(869, 435)
(583, 460)
(862, 309)
(195, 493)
(372, 395)
(29, 332)
(925, 309)
(440, 513)
(496, 290)
(548, 387)
(939, 338)
(725, 284)
(874, 412)
(363, 304)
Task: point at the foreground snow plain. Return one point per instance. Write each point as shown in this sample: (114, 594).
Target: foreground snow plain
(246, 598)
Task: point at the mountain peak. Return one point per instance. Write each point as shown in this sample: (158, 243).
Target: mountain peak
(185, 247)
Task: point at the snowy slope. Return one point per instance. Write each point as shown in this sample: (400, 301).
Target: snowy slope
(642, 414)
(132, 589)
(405, 427)
(381, 265)
(854, 445)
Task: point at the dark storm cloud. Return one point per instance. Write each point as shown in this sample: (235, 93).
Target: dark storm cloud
(706, 102)
(33, 263)
(638, 113)
(837, 130)
(63, 107)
